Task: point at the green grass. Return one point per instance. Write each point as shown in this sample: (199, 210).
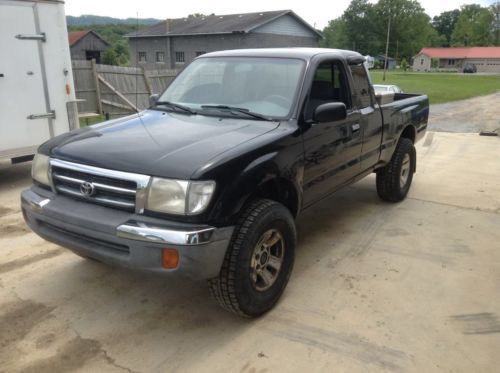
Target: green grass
(84, 122)
(441, 87)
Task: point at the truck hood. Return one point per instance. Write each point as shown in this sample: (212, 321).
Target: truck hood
(156, 143)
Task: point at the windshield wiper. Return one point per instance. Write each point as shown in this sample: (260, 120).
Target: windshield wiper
(176, 106)
(237, 110)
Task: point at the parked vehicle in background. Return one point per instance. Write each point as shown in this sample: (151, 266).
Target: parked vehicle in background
(383, 88)
(470, 68)
(369, 62)
(37, 99)
(208, 182)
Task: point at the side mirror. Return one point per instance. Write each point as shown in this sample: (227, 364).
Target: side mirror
(330, 112)
(153, 99)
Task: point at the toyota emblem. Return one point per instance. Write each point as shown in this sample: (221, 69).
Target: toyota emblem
(87, 189)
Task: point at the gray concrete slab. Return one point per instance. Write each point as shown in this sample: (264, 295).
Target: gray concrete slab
(377, 287)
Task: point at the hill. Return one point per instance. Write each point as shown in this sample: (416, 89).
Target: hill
(88, 19)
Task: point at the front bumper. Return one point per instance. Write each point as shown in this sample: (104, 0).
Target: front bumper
(122, 238)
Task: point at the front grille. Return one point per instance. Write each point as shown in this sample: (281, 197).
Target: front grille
(109, 191)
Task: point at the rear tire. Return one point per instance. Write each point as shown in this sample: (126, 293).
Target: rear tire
(394, 180)
(259, 260)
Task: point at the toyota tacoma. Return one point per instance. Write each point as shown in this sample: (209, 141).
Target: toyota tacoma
(208, 182)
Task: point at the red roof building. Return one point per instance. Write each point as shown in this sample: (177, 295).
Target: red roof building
(485, 59)
(86, 45)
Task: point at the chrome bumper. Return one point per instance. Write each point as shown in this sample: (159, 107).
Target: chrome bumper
(120, 238)
(133, 230)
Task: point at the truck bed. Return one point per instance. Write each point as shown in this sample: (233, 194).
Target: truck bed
(403, 109)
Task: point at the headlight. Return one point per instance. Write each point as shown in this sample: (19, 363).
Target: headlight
(40, 169)
(179, 196)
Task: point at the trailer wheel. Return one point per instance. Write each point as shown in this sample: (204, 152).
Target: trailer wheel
(394, 180)
(259, 260)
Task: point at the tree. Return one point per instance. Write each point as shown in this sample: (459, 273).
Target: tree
(363, 27)
(445, 23)
(358, 19)
(110, 57)
(404, 64)
(495, 11)
(410, 26)
(334, 35)
(473, 27)
(199, 15)
(437, 40)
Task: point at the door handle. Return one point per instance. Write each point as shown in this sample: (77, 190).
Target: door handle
(355, 127)
(40, 36)
(49, 115)
(1, 75)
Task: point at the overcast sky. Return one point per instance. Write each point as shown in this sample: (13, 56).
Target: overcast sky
(313, 11)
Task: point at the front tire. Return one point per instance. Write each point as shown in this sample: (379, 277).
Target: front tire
(259, 260)
(394, 180)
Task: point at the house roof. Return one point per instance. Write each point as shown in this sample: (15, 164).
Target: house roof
(470, 52)
(216, 24)
(75, 36)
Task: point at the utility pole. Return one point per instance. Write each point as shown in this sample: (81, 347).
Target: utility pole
(387, 46)
(497, 27)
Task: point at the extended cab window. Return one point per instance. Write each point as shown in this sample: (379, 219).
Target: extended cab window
(361, 86)
(329, 85)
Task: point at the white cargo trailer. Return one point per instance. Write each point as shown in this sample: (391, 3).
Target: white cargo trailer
(37, 99)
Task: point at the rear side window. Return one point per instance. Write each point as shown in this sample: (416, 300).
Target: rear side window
(361, 86)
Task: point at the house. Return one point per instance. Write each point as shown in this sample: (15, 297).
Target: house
(391, 62)
(87, 45)
(174, 42)
(486, 59)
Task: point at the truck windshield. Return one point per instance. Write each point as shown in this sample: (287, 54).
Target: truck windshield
(263, 86)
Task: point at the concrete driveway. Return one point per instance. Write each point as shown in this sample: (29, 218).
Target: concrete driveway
(408, 287)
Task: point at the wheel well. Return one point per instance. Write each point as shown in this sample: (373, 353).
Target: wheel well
(282, 191)
(409, 133)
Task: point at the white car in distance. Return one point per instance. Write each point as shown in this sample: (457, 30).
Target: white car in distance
(384, 88)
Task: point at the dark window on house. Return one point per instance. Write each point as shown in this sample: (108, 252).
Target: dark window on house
(160, 57)
(93, 55)
(361, 86)
(451, 62)
(421, 61)
(179, 57)
(199, 53)
(141, 56)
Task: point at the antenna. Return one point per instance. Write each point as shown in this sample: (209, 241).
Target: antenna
(136, 62)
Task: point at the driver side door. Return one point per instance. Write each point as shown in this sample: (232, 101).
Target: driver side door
(328, 147)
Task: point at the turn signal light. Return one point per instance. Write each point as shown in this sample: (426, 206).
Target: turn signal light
(170, 258)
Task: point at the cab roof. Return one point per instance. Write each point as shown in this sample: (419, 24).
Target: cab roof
(302, 53)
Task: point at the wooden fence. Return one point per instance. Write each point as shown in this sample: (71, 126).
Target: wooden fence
(116, 90)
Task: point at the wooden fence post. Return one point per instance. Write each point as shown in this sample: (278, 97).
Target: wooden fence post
(146, 80)
(97, 89)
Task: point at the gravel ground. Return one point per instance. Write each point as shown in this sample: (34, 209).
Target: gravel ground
(467, 116)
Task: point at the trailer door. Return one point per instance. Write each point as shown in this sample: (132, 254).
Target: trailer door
(25, 115)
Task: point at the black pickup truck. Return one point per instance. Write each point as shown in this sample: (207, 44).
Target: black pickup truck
(209, 180)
